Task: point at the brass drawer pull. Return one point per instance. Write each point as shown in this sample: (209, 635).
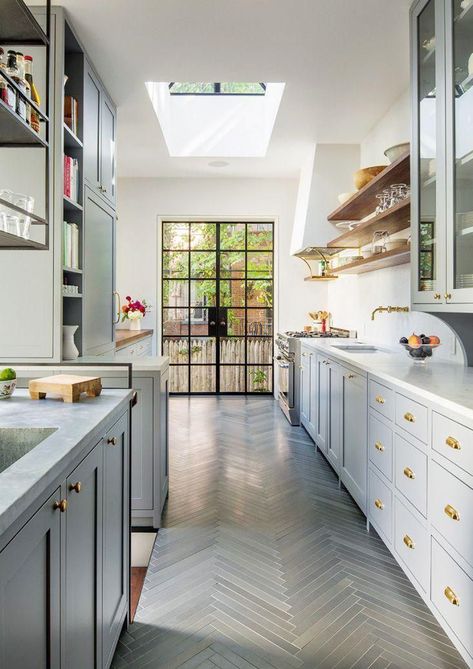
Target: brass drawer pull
(379, 446)
(409, 473)
(409, 417)
(437, 296)
(76, 486)
(380, 399)
(451, 596)
(61, 505)
(408, 541)
(448, 296)
(113, 441)
(451, 512)
(379, 504)
(350, 376)
(453, 443)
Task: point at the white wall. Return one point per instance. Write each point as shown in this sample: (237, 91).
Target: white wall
(141, 201)
(351, 299)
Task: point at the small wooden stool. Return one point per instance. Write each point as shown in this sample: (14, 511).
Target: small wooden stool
(68, 386)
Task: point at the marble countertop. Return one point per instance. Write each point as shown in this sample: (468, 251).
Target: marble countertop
(448, 384)
(78, 424)
(150, 363)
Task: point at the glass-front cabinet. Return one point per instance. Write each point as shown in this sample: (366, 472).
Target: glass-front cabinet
(442, 154)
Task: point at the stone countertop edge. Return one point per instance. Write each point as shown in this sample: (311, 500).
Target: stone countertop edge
(151, 363)
(79, 424)
(447, 384)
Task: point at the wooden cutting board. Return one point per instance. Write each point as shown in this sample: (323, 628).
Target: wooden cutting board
(68, 386)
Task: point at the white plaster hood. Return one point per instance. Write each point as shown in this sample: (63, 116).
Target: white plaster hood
(327, 171)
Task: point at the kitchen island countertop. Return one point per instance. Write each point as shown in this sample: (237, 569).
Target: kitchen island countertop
(77, 424)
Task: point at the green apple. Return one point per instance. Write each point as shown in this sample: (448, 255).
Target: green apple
(7, 374)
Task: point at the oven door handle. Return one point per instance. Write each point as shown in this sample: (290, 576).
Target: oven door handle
(283, 365)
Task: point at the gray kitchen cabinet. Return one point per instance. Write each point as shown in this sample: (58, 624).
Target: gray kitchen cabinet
(83, 574)
(30, 573)
(99, 137)
(99, 275)
(322, 392)
(354, 419)
(143, 426)
(305, 387)
(116, 529)
(334, 415)
(164, 440)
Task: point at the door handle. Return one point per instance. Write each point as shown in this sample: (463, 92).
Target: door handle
(117, 294)
(212, 323)
(222, 323)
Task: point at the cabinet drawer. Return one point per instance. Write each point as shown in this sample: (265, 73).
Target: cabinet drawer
(380, 507)
(410, 473)
(411, 541)
(412, 417)
(453, 440)
(381, 398)
(452, 594)
(451, 510)
(126, 351)
(380, 446)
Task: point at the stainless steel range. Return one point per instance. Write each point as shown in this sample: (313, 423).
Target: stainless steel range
(288, 362)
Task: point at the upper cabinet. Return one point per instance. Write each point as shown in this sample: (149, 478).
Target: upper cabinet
(99, 138)
(442, 155)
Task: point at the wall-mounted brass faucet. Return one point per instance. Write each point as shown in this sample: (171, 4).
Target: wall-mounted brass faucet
(389, 310)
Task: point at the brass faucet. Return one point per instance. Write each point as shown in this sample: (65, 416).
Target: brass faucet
(389, 310)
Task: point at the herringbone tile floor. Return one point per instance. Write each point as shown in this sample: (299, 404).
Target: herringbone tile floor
(264, 563)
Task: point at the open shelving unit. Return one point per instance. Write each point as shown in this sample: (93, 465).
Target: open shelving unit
(73, 212)
(18, 26)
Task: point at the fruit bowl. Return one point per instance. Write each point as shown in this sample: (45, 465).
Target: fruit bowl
(420, 348)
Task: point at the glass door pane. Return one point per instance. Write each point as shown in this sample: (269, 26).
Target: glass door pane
(462, 97)
(429, 272)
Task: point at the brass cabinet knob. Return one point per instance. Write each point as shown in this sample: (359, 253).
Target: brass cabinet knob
(380, 399)
(448, 296)
(451, 512)
(379, 446)
(409, 473)
(408, 541)
(76, 486)
(409, 417)
(379, 504)
(453, 443)
(437, 296)
(113, 441)
(350, 376)
(451, 596)
(61, 505)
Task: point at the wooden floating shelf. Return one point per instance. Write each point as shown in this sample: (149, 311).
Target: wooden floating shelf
(321, 278)
(18, 25)
(71, 141)
(72, 294)
(392, 220)
(14, 242)
(378, 261)
(70, 205)
(364, 201)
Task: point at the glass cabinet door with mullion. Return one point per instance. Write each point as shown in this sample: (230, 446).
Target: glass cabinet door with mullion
(459, 153)
(428, 166)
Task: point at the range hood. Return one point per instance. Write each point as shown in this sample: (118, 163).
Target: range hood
(328, 171)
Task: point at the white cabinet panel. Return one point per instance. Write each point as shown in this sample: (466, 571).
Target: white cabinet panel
(411, 541)
(380, 446)
(412, 417)
(380, 506)
(453, 440)
(411, 473)
(381, 398)
(354, 435)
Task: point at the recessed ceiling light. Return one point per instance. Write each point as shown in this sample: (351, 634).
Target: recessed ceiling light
(218, 163)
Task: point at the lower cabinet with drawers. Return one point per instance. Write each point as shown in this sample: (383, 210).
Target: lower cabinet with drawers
(420, 501)
(64, 576)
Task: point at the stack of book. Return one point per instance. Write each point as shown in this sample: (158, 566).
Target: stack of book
(71, 178)
(70, 245)
(71, 113)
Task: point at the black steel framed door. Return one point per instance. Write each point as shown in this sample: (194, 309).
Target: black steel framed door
(217, 306)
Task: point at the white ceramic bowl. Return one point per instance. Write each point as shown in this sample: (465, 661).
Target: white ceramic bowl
(396, 151)
(344, 197)
(7, 388)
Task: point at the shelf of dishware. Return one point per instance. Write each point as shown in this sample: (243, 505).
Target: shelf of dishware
(15, 242)
(16, 219)
(363, 202)
(71, 141)
(376, 261)
(72, 294)
(22, 211)
(18, 25)
(392, 220)
(14, 131)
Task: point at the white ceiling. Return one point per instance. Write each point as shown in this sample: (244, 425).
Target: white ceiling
(344, 63)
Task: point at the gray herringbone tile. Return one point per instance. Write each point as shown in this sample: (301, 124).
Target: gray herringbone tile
(264, 563)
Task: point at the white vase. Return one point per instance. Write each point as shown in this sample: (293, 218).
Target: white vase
(135, 324)
(69, 348)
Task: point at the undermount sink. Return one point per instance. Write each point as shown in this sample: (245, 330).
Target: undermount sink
(15, 442)
(356, 348)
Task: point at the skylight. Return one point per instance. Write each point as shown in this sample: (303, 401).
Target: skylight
(198, 119)
(216, 88)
